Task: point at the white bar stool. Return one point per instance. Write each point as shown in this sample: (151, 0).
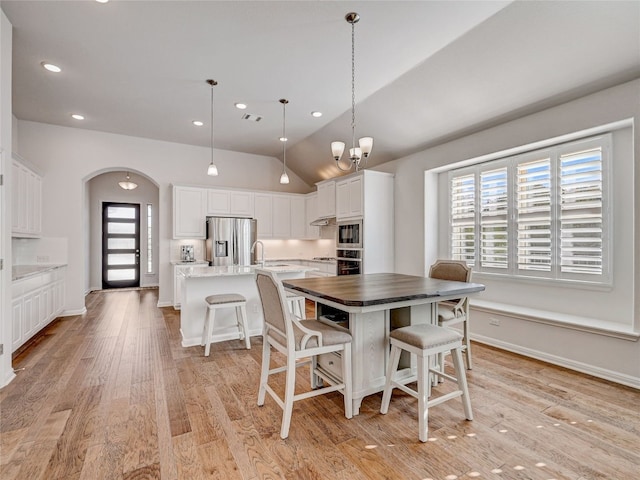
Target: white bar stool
(423, 341)
(226, 300)
(296, 304)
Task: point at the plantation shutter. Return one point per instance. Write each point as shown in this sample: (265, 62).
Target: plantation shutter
(493, 218)
(581, 211)
(533, 218)
(463, 218)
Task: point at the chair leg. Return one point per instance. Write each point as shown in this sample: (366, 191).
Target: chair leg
(204, 328)
(461, 377)
(423, 397)
(241, 313)
(264, 372)
(289, 392)
(467, 341)
(211, 318)
(393, 366)
(346, 378)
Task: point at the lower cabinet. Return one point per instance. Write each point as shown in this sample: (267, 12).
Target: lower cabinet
(36, 301)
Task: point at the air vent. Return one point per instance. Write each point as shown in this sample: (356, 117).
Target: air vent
(251, 117)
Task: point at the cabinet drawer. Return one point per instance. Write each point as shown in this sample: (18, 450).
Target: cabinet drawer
(331, 363)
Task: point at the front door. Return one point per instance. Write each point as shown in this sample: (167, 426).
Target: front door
(120, 245)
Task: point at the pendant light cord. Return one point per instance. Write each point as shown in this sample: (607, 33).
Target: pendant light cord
(353, 86)
(212, 84)
(284, 135)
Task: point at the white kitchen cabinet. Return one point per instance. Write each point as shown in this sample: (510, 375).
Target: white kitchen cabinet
(264, 214)
(350, 198)
(311, 214)
(281, 216)
(298, 216)
(230, 203)
(189, 212)
(36, 301)
(26, 204)
(326, 199)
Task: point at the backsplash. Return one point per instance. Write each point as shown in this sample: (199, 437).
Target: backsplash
(45, 251)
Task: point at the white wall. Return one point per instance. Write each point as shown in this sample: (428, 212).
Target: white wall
(606, 356)
(69, 157)
(105, 188)
(6, 137)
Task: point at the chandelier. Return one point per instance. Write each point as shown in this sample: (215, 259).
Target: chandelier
(365, 144)
(212, 170)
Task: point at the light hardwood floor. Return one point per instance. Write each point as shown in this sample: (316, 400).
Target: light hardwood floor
(112, 394)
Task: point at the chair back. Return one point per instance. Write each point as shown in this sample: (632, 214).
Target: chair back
(274, 307)
(455, 270)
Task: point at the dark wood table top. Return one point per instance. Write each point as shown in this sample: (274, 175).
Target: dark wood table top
(379, 288)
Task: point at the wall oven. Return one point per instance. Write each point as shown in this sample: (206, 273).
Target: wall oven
(349, 261)
(349, 234)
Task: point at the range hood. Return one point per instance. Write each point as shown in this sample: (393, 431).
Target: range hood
(323, 222)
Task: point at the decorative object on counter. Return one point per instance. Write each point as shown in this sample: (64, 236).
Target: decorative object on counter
(424, 341)
(127, 184)
(284, 178)
(228, 300)
(365, 143)
(212, 170)
(187, 253)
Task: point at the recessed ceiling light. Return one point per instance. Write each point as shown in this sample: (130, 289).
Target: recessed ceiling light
(197, 123)
(51, 67)
(241, 106)
(316, 114)
(102, 1)
(77, 116)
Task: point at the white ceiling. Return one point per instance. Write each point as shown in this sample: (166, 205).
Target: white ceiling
(426, 71)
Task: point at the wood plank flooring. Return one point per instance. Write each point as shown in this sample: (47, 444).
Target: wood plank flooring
(112, 395)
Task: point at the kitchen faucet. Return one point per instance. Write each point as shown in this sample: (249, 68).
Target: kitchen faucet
(253, 248)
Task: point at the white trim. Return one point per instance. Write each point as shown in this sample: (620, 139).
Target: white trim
(609, 127)
(573, 322)
(561, 361)
(71, 313)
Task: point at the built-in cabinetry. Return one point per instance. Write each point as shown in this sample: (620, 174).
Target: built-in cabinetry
(368, 196)
(279, 215)
(36, 300)
(189, 212)
(326, 199)
(26, 201)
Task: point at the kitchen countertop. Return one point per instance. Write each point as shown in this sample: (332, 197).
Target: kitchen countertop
(20, 272)
(195, 262)
(206, 271)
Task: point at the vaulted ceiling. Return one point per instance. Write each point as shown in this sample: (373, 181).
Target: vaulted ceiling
(426, 71)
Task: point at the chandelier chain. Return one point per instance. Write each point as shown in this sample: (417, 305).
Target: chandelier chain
(353, 85)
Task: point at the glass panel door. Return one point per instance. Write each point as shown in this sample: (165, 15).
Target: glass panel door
(120, 245)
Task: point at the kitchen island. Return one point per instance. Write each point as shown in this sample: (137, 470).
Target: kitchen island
(201, 281)
(370, 305)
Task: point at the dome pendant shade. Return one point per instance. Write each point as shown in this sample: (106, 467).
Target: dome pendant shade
(127, 184)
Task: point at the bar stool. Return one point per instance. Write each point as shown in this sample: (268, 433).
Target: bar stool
(296, 304)
(226, 300)
(424, 341)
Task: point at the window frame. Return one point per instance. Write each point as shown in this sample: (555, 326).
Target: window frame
(553, 151)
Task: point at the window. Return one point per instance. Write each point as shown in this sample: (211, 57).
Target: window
(149, 238)
(536, 214)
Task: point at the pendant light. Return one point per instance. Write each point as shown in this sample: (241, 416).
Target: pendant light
(284, 178)
(127, 184)
(212, 170)
(365, 144)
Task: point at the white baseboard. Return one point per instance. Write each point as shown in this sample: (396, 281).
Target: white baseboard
(7, 380)
(71, 313)
(561, 361)
(164, 304)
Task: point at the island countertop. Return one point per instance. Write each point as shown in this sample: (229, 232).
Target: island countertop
(20, 272)
(235, 270)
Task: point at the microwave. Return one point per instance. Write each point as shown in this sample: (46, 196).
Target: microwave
(349, 234)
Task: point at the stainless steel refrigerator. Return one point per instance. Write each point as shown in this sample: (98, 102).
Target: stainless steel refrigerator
(229, 241)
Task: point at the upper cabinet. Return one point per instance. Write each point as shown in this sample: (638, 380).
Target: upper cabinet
(189, 212)
(264, 214)
(298, 216)
(26, 202)
(311, 204)
(326, 199)
(230, 203)
(350, 198)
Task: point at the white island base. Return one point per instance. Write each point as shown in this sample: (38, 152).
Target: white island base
(202, 281)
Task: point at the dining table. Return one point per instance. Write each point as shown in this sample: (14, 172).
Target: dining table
(370, 306)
